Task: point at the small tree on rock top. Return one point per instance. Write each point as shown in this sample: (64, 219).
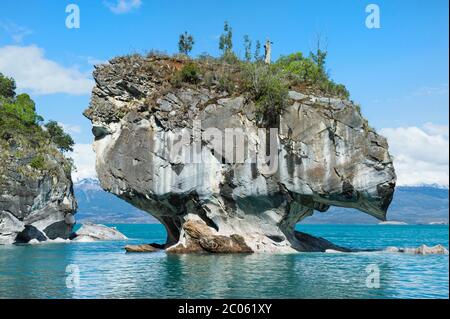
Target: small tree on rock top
(62, 140)
(248, 48)
(185, 43)
(7, 86)
(226, 39)
(257, 55)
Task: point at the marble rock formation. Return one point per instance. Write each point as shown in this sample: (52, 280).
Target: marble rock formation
(93, 232)
(34, 205)
(245, 193)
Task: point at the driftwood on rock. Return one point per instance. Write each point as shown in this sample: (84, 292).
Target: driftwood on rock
(268, 52)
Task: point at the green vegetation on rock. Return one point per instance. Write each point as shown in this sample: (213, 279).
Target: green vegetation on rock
(22, 138)
(61, 139)
(268, 88)
(7, 87)
(190, 73)
(309, 72)
(266, 84)
(22, 107)
(38, 162)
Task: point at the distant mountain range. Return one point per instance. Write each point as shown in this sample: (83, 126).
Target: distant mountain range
(97, 206)
(412, 205)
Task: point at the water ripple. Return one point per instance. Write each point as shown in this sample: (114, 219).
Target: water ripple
(106, 271)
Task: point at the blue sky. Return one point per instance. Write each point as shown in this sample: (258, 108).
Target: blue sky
(398, 73)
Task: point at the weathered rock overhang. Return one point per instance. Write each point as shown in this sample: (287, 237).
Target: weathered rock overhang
(325, 153)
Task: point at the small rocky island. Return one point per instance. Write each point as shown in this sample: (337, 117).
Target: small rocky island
(247, 192)
(36, 191)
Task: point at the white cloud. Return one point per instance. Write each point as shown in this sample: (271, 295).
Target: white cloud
(434, 129)
(90, 60)
(70, 128)
(123, 6)
(33, 71)
(421, 154)
(94, 61)
(430, 91)
(84, 159)
(16, 32)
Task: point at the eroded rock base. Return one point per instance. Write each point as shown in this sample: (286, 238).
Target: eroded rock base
(197, 237)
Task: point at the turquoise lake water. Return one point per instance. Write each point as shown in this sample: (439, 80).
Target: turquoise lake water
(106, 271)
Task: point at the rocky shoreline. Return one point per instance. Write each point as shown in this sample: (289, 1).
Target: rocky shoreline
(87, 233)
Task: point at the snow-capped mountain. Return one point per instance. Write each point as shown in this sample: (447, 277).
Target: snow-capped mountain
(412, 204)
(99, 206)
(88, 184)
